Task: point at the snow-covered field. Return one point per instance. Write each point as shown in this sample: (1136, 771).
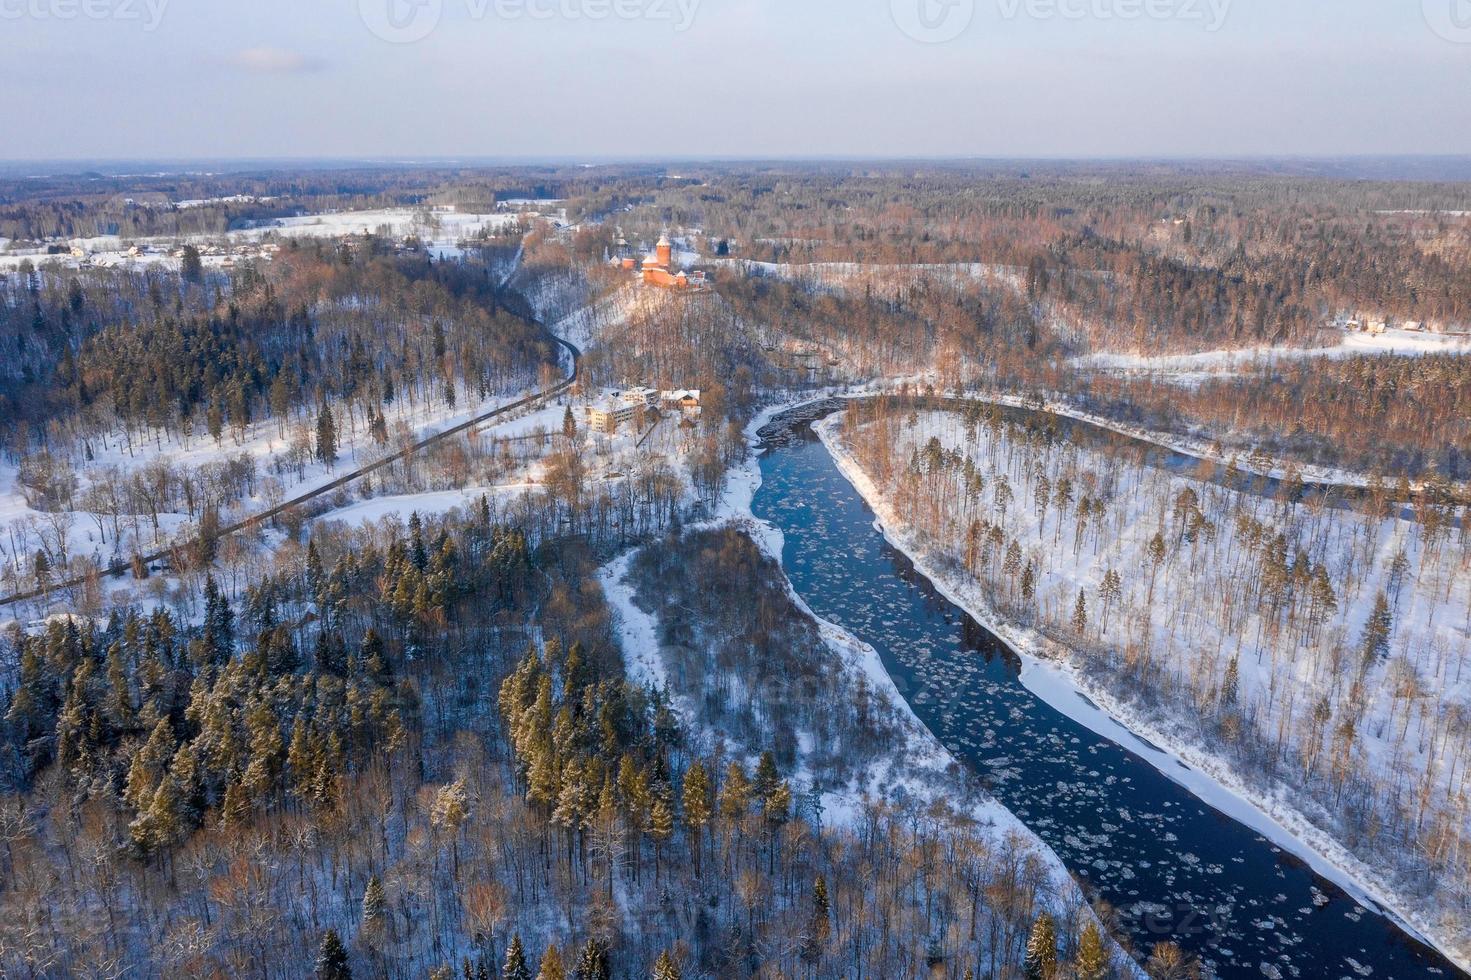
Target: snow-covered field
(440, 229)
(1193, 368)
(1408, 702)
(428, 224)
(882, 278)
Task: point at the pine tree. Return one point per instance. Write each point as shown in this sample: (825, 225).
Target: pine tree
(697, 806)
(1156, 551)
(569, 424)
(235, 809)
(1080, 614)
(551, 965)
(1041, 959)
(332, 958)
(778, 806)
(1377, 630)
(375, 904)
(219, 626)
(666, 968)
(1093, 959)
(819, 928)
(191, 266)
(1012, 565)
(326, 436)
(148, 766)
(1110, 591)
(41, 568)
(592, 963)
(515, 967)
(767, 776)
(1231, 682)
(661, 820)
(735, 794)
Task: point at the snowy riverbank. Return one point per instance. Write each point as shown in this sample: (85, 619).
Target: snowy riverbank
(919, 768)
(1049, 673)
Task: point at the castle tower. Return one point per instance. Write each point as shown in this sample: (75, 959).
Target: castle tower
(665, 251)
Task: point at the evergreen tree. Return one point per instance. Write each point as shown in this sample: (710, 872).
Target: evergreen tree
(592, 963)
(778, 806)
(515, 967)
(735, 794)
(1041, 958)
(326, 436)
(1377, 630)
(1080, 614)
(1231, 682)
(191, 266)
(375, 903)
(219, 626)
(551, 965)
(666, 968)
(820, 926)
(767, 776)
(569, 424)
(1093, 959)
(332, 958)
(41, 568)
(235, 809)
(697, 806)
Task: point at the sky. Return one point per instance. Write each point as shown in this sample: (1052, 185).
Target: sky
(658, 79)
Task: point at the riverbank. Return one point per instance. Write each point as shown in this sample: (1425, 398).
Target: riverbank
(1051, 673)
(917, 771)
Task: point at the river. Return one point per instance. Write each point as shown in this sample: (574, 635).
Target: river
(1175, 868)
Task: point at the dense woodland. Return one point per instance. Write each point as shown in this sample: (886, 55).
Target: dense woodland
(359, 760)
(136, 353)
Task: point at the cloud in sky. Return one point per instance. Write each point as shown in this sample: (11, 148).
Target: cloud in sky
(276, 61)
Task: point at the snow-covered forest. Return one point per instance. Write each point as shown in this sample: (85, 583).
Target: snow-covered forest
(534, 696)
(1318, 645)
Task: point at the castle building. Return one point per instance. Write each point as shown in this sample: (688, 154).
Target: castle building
(658, 269)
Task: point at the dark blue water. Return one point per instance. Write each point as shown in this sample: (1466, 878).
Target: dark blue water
(1175, 868)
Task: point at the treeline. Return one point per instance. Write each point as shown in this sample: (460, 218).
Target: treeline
(1397, 416)
(154, 354)
(1153, 258)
